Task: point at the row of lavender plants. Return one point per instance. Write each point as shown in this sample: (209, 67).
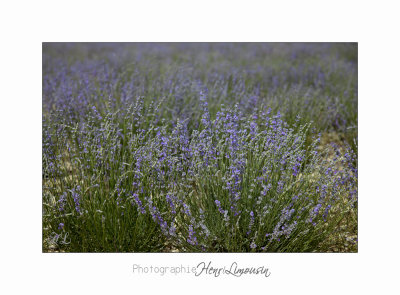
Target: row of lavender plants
(198, 147)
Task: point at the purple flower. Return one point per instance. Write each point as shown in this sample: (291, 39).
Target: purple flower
(171, 203)
(139, 204)
(192, 239)
(218, 203)
(62, 202)
(76, 196)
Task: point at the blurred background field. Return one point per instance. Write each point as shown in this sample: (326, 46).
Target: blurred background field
(317, 81)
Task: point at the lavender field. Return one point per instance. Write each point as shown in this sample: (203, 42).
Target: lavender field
(200, 147)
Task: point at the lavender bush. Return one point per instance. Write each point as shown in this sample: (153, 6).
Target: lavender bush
(199, 147)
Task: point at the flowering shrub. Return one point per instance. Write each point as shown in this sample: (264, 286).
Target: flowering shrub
(165, 156)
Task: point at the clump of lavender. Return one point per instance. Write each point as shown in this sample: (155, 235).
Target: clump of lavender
(288, 186)
(198, 153)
